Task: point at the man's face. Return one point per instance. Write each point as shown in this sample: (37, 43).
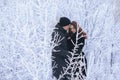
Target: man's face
(66, 27)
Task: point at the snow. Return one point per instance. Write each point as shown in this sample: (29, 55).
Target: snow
(25, 34)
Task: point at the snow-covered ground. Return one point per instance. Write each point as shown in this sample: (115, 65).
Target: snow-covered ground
(26, 26)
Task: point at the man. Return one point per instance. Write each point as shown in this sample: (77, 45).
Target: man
(60, 51)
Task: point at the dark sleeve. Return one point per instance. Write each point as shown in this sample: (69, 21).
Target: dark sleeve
(81, 40)
(70, 45)
(62, 52)
(59, 48)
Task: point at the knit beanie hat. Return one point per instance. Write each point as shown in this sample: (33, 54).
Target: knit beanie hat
(64, 21)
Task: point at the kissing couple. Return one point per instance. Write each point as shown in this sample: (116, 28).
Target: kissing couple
(68, 59)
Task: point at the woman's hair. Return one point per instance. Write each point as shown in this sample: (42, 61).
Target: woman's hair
(74, 23)
(75, 26)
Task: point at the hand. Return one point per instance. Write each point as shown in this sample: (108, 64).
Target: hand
(79, 28)
(84, 34)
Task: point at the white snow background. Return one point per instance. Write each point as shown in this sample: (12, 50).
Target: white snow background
(25, 34)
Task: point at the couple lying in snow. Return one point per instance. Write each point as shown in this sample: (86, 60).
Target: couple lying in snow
(68, 60)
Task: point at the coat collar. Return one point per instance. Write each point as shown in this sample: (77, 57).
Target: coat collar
(61, 28)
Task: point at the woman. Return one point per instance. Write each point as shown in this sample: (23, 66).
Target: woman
(79, 59)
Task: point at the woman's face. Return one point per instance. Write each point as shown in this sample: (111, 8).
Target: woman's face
(72, 29)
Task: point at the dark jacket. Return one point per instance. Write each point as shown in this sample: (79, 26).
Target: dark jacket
(71, 45)
(78, 52)
(60, 56)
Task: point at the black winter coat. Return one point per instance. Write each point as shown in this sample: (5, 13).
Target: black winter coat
(78, 52)
(59, 57)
